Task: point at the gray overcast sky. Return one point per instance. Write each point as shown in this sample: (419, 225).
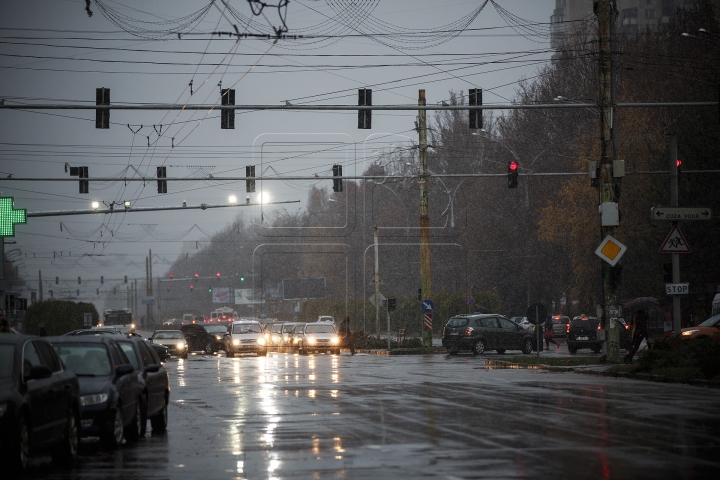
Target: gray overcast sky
(52, 52)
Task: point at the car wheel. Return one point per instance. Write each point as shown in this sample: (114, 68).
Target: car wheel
(572, 349)
(132, 433)
(66, 452)
(479, 347)
(160, 420)
(500, 350)
(209, 348)
(527, 346)
(113, 437)
(18, 455)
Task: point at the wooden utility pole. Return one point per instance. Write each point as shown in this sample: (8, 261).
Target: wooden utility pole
(425, 277)
(606, 14)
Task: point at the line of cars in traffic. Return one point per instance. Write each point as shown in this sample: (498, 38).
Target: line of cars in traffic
(55, 390)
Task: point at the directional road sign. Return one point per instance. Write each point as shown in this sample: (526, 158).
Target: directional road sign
(680, 214)
(9, 216)
(427, 306)
(675, 242)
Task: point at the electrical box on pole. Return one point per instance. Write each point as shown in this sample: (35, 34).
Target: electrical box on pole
(227, 116)
(249, 178)
(364, 116)
(102, 115)
(161, 184)
(476, 117)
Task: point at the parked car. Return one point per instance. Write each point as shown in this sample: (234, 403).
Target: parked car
(153, 380)
(317, 337)
(710, 328)
(582, 333)
(87, 331)
(205, 338)
(174, 340)
(39, 403)
(560, 325)
(522, 321)
(161, 351)
(110, 395)
(245, 336)
(482, 332)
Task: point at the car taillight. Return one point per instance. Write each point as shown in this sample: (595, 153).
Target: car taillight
(443, 331)
(599, 327)
(468, 331)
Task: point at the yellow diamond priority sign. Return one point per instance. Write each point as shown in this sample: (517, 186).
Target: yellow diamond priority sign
(610, 250)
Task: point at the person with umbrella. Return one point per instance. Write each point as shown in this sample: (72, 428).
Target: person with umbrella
(639, 332)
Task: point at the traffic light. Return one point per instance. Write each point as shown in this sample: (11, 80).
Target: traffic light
(217, 274)
(337, 180)
(391, 304)
(364, 116)
(420, 294)
(192, 288)
(513, 174)
(51, 293)
(227, 117)
(196, 275)
(242, 279)
(172, 276)
(102, 280)
(57, 280)
(475, 98)
(249, 180)
(78, 292)
(161, 184)
(97, 291)
(678, 163)
(168, 288)
(125, 279)
(210, 289)
(102, 116)
(81, 172)
(79, 281)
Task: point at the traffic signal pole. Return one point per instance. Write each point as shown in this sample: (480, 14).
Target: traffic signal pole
(606, 14)
(424, 217)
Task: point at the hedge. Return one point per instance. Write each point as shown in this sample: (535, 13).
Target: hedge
(58, 316)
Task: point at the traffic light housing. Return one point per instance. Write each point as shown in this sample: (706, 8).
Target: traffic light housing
(125, 281)
(57, 280)
(161, 184)
(210, 289)
(81, 172)
(391, 304)
(476, 117)
(364, 116)
(192, 288)
(102, 280)
(337, 178)
(227, 117)
(242, 279)
(172, 276)
(102, 116)
(513, 174)
(249, 178)
(217, 274)
(167, 288)
(79, 281)
(196, 275)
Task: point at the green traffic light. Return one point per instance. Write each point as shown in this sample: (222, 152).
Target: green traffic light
(9, 216)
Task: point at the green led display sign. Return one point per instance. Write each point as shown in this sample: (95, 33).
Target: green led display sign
(9, 216)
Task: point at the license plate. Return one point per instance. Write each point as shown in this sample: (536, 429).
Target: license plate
(582, 338)
(454, 333)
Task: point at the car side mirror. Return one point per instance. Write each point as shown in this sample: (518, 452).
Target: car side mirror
(37, 372)
(121, 370)
(154, 368)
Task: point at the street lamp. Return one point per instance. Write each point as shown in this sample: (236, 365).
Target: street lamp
(232, 199)
(95, 205)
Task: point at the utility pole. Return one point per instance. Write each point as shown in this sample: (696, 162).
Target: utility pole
(151, 320)
(425, 279)
(135, 300)
(147, 292)
(40, 290)
(607, 13)
(377, 286)
(675, 256)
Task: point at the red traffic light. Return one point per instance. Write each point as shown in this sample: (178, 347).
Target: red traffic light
(196, 275)
(513, 166)
(678, 162)
(172, 276)
(168, 288)
(192, 288)
(217, 274)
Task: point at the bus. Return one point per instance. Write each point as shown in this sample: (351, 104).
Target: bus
(122, 316)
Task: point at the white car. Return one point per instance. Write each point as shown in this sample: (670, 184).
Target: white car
(245, 336)
(317, 337)
(522, 321)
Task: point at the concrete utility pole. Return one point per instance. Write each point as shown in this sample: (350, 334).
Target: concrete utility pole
(147, 292)
(425, 278)
(377, 286)
(606, 15)
(675, 256)
(40, 289)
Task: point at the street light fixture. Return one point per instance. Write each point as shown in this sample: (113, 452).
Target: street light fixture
(232, 199)
(95, 205)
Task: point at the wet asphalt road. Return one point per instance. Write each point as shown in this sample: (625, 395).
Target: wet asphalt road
(368, 416)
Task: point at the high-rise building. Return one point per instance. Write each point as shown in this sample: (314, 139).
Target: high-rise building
(633, 15)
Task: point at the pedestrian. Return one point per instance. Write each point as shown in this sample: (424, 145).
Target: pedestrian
(41, 326)
(549, 334)
(346, 333)
(639, 333)
(4, 325)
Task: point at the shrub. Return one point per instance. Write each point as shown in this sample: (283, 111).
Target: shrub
(682, 358)
(58, 316)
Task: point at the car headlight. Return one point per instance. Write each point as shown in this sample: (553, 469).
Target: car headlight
(261, 341)
(236, 341)
(180, 345)
(132, 326)
(218, 337)
(689, 332)
(93, 399)
(335, 340)
(3, 409)
(311, 340)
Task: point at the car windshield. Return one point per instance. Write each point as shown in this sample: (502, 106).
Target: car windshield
(85, 359)
(710, 322)
(240, 328)
(320, 329)
(457, 322)
(7, 355)
(216, 328)
(162, 335)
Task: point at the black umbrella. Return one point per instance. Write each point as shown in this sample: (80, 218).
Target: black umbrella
(640, 303)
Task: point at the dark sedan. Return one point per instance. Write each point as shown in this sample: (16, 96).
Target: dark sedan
(109, 389)
(482, 332)
(205, 338)
(39, 403)
(153, 380)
